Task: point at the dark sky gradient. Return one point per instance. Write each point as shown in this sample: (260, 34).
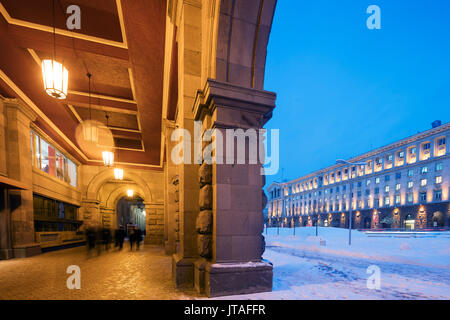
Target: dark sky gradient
(344, 89)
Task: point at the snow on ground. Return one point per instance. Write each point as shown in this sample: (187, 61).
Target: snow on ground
(411, 268)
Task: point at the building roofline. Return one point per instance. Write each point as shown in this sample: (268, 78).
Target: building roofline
(393, 145)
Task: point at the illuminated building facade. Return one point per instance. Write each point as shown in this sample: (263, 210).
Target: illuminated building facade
(404, 185)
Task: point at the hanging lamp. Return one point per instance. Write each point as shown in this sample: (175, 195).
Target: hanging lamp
(118, 172)
(108, 156)
(90, 129)
(54, 73)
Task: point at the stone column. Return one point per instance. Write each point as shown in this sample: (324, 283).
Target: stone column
(108, 217)
(230, 224)
(171, 195)
(90, 213)
(189, 31)
(154, 217)
(18, 158)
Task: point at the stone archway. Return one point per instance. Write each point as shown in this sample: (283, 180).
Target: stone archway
(102, 194)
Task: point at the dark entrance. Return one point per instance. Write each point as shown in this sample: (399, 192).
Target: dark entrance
(367, 223)
(131, 213)
(438, 220)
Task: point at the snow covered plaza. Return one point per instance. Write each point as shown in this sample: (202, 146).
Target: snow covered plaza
(412, 266)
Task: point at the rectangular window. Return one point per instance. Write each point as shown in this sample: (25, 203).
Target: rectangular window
(439, 166)
(441, 142)
(52, 161)
(426, 146)
(377, 190)
(423, 197)
(410, 197)
(397, 199)
(387, 201)
(410, 172)
(376, 202)
(386, 189)
(368, 182)
(438, 179)
(423, 182)
(424, 170)
(438, 195)
(397, 186)
(387, 178)
(377, 180)
(410, 184)
(398, 175)
(367, 192)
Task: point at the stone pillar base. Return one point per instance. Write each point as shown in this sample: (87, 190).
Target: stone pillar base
(224, 279)
(6, 254)
(200, 275)
(26, 250)
(183, 272)
(169, 248)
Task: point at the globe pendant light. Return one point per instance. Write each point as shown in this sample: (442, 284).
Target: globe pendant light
(55, 75)
(108, 156)
(118, 172)
(90, 129)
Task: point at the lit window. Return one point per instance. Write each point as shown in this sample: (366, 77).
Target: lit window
(423, 182)
(438, 179)
(387, 201)
(397, 186)
(410, 197)
(386, 189)
(377, 180)
(424, 170)
(439, 166)
(368, 182)
(410, 184)
(410, 172)
(397, 199)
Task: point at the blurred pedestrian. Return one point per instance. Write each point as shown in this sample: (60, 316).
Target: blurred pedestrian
(119, 237)
(132, 237)
(90, 238)
(106, 238)
(138, 237)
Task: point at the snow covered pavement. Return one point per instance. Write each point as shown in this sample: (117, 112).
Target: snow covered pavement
(411, 268)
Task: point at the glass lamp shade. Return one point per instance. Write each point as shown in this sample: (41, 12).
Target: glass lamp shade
(130, 193)
(90, 132)
(56, 78)
(108, 158)
(118, 174)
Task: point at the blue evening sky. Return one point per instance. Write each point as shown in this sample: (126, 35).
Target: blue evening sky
(344, 89)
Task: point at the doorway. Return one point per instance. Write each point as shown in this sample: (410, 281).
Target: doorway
(131, 213)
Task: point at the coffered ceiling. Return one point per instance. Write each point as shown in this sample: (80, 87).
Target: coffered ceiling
(121, 43)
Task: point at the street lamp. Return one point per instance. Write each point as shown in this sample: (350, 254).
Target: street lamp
(349, 174)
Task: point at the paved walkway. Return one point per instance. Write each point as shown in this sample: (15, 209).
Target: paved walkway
(144, 274)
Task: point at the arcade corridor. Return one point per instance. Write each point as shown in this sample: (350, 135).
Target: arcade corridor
(144, 274)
